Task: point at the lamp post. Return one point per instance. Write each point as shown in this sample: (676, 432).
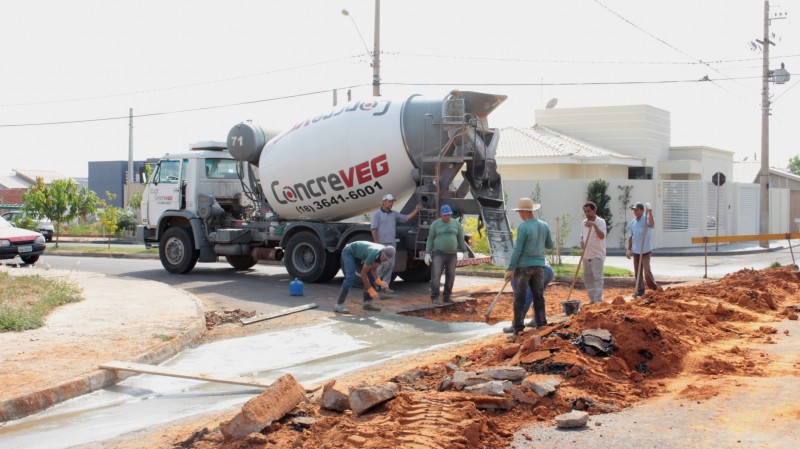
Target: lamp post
(376, 58)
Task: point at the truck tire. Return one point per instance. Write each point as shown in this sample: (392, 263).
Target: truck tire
(30, 260)
(416, 271)
(177, 252)
(241, 262)
(307, 259)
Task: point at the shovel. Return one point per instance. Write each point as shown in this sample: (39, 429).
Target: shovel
(491, 307)
(580, 261)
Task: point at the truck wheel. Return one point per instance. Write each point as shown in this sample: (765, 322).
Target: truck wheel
(332, 266)
(306, 258)
(30, 260)
(176, 250)
(241, 262)
(416, 271)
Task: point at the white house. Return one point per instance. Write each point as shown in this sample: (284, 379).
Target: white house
(628, 147)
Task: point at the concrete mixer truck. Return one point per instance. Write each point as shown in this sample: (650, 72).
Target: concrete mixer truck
(301, 195)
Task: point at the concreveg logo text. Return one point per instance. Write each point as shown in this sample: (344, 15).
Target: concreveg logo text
(342, 179)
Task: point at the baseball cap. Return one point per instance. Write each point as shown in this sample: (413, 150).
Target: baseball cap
(638, 206)
(388, 197)
(388, 251)
(446, 210)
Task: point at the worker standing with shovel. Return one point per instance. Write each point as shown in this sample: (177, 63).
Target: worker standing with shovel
(593, 242)
(640, 244)
(526, 265)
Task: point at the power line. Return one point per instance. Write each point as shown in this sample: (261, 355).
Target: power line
(181, 86)
(179, 111)
(574, 61)
(264, 100)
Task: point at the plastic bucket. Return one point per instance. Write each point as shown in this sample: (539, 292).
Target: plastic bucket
(571, 307)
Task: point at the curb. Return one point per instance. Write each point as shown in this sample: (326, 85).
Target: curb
(37, 401)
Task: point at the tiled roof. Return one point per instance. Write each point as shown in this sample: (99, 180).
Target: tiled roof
(540, 141)
(31, 175)
(748, 172)
(13, 182)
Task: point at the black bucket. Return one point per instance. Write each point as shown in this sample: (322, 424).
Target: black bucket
(571, 307)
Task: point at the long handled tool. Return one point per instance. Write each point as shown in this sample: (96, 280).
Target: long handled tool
(580, 261)
(491, 307)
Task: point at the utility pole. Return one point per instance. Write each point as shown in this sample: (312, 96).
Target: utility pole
(131, 175)
(376, 54)
(766, 75)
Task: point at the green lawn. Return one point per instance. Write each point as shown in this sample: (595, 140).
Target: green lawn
(563, 270)
(102, 249)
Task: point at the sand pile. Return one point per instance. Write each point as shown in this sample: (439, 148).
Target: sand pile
(702, 329)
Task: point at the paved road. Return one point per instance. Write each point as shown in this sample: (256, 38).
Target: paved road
(264, 288)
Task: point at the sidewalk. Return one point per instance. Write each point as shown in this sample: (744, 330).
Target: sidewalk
(119, 319)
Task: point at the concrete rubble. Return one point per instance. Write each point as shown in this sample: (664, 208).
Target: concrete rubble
(278, 399)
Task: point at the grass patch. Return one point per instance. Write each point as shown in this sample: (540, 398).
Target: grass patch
(775, 264)
(563, 270)
(103, 250)
(25, 301)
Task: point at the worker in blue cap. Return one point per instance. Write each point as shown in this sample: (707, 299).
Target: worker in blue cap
(445, 241)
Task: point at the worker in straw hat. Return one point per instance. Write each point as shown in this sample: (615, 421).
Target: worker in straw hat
(526, 266)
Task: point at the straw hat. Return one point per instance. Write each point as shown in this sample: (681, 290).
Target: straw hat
(526, 204)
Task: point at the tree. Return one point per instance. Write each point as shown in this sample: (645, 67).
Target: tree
(625, 202)
(86, 203)
(109, 216)
(56, 202)
(136, 201)
(597, 194)
(794, 165)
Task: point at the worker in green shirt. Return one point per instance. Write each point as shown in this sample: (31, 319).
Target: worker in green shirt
(364, 258)
(445, 241)
(526, 266)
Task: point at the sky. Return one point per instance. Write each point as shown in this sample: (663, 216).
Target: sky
(191, 70)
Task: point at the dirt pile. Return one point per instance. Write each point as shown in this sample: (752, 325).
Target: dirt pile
(701, 329)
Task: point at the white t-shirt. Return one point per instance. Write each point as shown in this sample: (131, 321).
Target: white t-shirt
(596, 248)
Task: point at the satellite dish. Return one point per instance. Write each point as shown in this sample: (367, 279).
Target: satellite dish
(552, 103)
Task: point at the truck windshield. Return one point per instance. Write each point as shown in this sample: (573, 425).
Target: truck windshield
(168, 172)
(221, 169)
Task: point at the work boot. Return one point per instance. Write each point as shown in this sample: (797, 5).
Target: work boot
(531, 323)
(368, 305)
(508, 330)
(447, 301)
(387, 291)
(340, 308)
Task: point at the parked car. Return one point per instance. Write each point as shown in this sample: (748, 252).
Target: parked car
(14, 241)
(46, 227)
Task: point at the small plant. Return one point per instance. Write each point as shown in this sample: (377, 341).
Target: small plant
(625, 202)
(109, 216)
(775, 264)
(563, 228)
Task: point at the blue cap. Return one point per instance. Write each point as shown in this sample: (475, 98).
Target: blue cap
(445, 210)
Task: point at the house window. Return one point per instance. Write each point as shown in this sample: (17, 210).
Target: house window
(640, 172)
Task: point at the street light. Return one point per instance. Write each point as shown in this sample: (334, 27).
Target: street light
(376, 62)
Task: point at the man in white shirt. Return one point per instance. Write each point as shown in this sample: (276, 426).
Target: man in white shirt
(593, 242)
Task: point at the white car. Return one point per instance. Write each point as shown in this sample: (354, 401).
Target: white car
(28, 245)
(46, 227)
